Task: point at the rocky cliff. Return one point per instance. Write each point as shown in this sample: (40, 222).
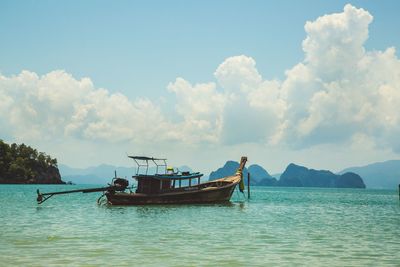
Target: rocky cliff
(21, 164)
(49, 176)
(259, 176)
(299, 176)
(379, 175)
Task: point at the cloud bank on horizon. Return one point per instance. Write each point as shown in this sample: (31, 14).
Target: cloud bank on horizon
(339, 93)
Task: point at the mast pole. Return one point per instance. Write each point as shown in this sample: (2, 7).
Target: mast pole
(248, 185)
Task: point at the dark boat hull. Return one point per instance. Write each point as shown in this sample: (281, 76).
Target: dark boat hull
(207, 195)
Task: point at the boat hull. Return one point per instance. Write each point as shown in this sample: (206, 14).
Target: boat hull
(204, 195)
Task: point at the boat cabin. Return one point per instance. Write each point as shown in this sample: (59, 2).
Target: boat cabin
(164, 179)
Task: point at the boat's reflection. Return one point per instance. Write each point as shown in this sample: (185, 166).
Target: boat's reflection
(146, 210)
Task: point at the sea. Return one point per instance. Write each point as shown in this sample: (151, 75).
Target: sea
(275, 227)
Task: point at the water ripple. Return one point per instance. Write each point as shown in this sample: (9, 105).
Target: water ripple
(277, 227)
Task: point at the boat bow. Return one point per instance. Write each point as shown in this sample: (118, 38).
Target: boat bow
(237, 178)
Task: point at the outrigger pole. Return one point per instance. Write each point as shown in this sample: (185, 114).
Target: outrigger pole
(42, 197)
(118, 184)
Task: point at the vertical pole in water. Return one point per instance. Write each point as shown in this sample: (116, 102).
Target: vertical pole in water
(248, 185)
(399, 192)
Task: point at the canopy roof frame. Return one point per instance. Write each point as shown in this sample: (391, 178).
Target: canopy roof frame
(156, 161)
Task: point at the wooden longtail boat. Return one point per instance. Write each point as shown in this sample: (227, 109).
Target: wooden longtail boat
(164, 188)
(167, 187)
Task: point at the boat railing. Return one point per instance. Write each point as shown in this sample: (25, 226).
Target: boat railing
(194, 186)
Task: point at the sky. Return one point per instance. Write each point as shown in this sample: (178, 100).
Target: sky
(316, 83)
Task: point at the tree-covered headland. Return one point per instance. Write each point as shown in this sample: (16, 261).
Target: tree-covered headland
(20, 164)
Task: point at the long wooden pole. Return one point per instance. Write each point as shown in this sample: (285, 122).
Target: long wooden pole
(248, 185)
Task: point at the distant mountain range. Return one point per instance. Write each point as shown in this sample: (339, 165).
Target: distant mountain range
(293, 176)
(379, 175)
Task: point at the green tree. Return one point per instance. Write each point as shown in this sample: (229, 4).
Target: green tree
(22, 161)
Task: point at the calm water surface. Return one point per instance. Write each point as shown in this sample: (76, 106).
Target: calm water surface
(277, 227)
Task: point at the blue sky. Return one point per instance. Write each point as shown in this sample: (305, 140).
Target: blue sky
(139, 48)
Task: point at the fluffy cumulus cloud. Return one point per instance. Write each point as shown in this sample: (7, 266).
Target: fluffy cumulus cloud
(200, 107)
(254, 106)
(340, 92)
(57, 105)
(238, 73)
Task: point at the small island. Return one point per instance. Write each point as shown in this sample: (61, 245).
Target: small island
(299, 176)
(22, 164)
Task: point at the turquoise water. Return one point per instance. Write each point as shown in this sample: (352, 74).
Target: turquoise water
(277, 227)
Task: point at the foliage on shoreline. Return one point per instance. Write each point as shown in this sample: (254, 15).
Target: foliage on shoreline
(24, 164)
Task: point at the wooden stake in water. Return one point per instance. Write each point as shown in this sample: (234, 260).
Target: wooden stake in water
(248, 185)
(399, 192)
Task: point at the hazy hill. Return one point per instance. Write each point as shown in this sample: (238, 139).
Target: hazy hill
(228, 169)
(299, 176)
(379, 175)
(259, 176)
(294, 175)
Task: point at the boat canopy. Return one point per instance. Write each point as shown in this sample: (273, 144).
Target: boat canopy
(163, 172)
(175, 176)
(142, 161)
(144, 158)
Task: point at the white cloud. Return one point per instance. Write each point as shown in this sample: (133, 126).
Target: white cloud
(336, 93)
(57, 105)
(334, 43)
(238, 73)
(201, 107)
(254, 107)
(339, 93)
